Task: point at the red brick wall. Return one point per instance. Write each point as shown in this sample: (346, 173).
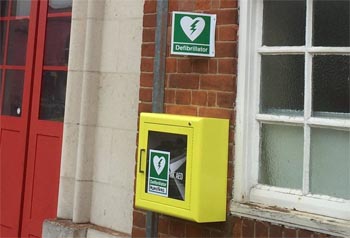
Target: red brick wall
(201, 87)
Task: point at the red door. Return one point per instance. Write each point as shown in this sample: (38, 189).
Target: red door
(33, 67)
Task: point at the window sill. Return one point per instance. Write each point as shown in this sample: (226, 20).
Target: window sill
(291, 218)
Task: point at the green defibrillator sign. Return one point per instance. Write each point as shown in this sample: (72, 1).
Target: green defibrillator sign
(193, 34)
(158, 170)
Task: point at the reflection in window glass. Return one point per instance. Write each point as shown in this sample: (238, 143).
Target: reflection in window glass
(17, 42)
(13, 90)
(284, 22)
(60, 6)
(281, 162)
(3, 26)
(331, 85)
(57, 41)
(53, 95)
(3, 8)
(282, 84)
(331, 24)
(20, 8)
(330, 155)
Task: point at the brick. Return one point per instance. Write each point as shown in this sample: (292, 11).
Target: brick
(219, 226)
(177, 228)
(230, 153)
(147, 49)
(229, 186)
(275, 231)
(146, 64)
(203, 4)
(169, 32)
(199, 98)
(169, 96)
(173, 5)
(149, 20)
(227, 66)
(163, 225)
(183, 97)
(171, 65)
(217, 82)
(181, 110)
(227, 33)
(226, 49)
(193, 230)
(186, 5)
(213, 66)
(148, 35)
(225, 16)
(150, 6)
(261, 229)
(231, 137)
(146, 80)
(184, 81)
(289, 233)
(320, 235)
(248, 228)
(139, 219)
(225, 100)
(160, 235)
(215, 4)
(228, 4)
(200, 66)
(184, 65)
(217, 234)
(230, 169)
(145, 107)
(145, 94)
(305, 234)
(237, 227)
(138, 232)
(211, 99)
(215, 112)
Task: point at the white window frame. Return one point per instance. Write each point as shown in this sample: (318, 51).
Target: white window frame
(333, 214)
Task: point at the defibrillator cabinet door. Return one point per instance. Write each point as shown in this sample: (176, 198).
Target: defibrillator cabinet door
(165, 159)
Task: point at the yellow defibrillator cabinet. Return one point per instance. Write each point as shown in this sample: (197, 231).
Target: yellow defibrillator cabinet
(182, 166)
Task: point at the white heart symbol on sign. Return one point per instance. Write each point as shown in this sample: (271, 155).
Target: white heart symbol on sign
(192, 27)
(159, 164)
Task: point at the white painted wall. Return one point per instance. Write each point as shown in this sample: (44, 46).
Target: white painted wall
(97, 170)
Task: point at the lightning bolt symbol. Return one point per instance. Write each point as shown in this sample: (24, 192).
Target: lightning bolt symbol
(194, 26)
(160, 163)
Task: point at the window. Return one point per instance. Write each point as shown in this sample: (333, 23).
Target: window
(293, 106)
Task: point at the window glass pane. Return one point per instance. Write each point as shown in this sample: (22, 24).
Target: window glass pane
(284, 22)
(2, 38)
(331, 85)
(20, 8)
(57, 41)
(3, 8)
(281, 162)
(17, 45)
(330, 155)
(13, 90)
(53, 95)
(60, 6)
(282, 84)
(331, 24)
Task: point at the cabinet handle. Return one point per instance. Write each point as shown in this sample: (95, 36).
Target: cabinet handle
(140, 165)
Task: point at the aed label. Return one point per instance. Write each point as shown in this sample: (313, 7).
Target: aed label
(158, 174)
(193, 34)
